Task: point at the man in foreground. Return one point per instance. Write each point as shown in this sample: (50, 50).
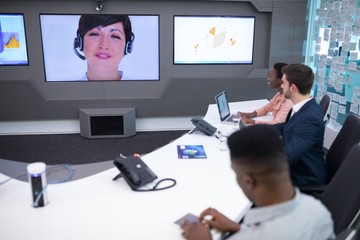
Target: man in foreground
(280, 211)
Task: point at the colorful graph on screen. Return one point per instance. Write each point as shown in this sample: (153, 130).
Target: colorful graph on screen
(213, 39)
(13, 50)
(11, 40)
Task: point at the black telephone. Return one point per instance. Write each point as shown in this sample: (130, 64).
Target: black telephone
(204, 126)
(135, 172)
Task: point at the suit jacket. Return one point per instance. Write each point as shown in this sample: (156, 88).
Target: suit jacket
(303, 138)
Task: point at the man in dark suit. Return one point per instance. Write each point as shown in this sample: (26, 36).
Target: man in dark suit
(303, 131)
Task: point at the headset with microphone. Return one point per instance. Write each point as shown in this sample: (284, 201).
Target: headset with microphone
(79, 45)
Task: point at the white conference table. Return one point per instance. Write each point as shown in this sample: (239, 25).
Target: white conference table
(212, 114)
(95, 207)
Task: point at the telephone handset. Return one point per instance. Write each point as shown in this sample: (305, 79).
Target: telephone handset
(135, 172)
(204, 126)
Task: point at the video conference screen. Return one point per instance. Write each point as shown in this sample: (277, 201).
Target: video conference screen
(96, 47)
(13, 48)
(214, 39)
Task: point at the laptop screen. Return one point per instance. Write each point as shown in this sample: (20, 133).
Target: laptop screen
(222, 105)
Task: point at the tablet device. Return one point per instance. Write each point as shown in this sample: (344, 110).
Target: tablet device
(189, 216)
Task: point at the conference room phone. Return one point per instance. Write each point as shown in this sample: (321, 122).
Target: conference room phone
(135, 172)
(203, 126)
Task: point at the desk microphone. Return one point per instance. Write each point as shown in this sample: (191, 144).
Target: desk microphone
(37, 180)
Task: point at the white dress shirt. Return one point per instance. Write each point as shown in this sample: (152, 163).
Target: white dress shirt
(296, 107)
(302, 218)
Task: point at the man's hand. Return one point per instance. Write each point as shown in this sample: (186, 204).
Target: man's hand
(216, 220)
(195, 231)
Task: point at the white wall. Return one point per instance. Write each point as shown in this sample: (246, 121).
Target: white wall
(73, 126)
(142, 125)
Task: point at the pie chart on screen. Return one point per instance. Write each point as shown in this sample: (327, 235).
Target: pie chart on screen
(216, 36)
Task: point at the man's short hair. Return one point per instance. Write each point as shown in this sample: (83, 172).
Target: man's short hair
(258, 146)
(300, 75)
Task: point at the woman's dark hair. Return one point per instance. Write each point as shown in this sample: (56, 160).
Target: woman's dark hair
(278, 66)
(90, 21)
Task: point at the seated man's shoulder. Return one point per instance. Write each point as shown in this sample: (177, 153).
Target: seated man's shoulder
(310, 214)
(312, 114)
(314, 215)
(313, 106)
(304, 218)
(310, 204)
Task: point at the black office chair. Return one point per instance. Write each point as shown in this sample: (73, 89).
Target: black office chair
(342, 196)
(348, 136)
(349, 234)
(353, 231)
(324, 104)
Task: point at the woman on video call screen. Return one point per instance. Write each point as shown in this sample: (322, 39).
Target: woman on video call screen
(100, 47)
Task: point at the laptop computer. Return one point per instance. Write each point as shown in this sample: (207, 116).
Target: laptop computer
(224, 110)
